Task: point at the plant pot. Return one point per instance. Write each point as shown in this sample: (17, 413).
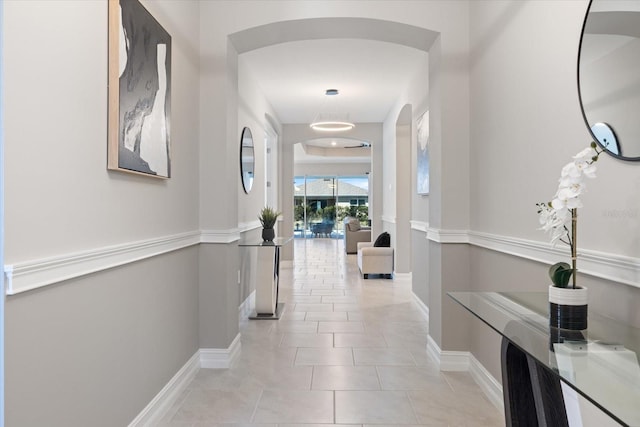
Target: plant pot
(268, 234)
(568, 308)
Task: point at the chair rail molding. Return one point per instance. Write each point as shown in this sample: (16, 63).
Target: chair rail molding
(614, 267)
(388, 218)
(243, 227)
(447, 236)
(29, 275)
(419, 226)
(32, 274)
(220, 236)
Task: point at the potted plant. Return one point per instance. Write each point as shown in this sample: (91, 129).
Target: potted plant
(268, 217)
(568, 303)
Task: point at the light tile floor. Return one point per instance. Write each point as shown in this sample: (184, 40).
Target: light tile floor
(346, 351)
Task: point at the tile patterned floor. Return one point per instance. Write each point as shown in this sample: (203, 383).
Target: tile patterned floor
(347, 351)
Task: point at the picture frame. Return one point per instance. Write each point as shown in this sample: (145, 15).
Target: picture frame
(422, 166)
(139, 91)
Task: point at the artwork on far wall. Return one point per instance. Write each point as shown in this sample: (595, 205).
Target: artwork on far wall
(423, 154)
(139, 91)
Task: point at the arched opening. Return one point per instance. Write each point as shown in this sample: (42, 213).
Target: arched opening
(328, 28)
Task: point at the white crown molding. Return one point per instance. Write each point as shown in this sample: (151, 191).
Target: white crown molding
(220, 236)
(419, 226)
(488, 384)
(162, 402)
(216, 358)
(25, 276)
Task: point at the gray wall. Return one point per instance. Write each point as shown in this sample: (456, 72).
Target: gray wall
(93, 350)
(526, 124)
(504, 118)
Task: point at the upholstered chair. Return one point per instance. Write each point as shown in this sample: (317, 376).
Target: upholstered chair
(354, 233)
(375, 260)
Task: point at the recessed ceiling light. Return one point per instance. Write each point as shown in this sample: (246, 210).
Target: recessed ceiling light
(334, 143)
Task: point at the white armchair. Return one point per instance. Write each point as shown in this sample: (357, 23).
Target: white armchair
(375, 260)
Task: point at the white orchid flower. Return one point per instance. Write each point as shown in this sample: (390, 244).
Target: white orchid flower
(558, 234)
(572, 189)
(570, 170)
(586, 155)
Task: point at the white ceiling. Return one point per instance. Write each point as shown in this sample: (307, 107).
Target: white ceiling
(370, 76)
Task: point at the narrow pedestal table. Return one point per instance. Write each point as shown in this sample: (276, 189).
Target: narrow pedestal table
(267, 276)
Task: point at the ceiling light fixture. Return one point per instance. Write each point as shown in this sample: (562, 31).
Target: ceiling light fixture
(331, 121)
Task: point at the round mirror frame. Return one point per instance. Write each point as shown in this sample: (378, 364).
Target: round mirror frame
(597, 127)
(247, 159)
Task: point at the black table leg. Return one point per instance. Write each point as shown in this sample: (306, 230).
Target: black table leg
(532, 394)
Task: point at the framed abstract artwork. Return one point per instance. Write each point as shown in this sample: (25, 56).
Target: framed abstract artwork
(423, 154)
(139, 91)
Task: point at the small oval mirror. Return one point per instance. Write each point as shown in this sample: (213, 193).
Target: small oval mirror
(609, 76)
(247, 159)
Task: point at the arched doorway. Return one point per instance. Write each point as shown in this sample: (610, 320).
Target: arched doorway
(327, 28)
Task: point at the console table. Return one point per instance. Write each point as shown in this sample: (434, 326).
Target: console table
(600, 363)
(267, 277)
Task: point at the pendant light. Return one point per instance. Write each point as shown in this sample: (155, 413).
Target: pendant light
(329, 120)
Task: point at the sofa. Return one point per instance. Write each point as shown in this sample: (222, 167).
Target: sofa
(375, 260)
(354, 233)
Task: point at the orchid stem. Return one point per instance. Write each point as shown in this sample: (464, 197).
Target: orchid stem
(574, 247)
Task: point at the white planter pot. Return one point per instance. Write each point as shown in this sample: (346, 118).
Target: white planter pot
(568, 296)
(568, 308)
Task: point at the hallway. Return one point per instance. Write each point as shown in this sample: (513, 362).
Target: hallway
(346, 351)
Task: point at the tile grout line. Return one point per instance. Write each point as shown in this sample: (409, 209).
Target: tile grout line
(255, 408)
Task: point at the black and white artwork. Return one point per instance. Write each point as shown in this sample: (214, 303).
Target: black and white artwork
(423, 154)
(139, 91)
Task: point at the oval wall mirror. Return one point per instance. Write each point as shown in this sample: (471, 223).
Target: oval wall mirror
(609, 76)
(247, 159)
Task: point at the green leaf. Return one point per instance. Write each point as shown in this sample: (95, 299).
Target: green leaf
(560, 273)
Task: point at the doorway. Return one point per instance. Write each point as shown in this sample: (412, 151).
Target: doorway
(321, 204)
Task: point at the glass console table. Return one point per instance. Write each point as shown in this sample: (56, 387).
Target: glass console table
(600, 363)
(267, 277)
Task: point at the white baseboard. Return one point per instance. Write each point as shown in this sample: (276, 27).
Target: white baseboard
(448, 361)
(402, 276)
(247, 306)
(464, 361)
(488, 384)
(159, 405)
(205, 358)
(217, 358)
(421, 306)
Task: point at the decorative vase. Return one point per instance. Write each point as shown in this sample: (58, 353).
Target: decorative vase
(568, 308)
(268, 234)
